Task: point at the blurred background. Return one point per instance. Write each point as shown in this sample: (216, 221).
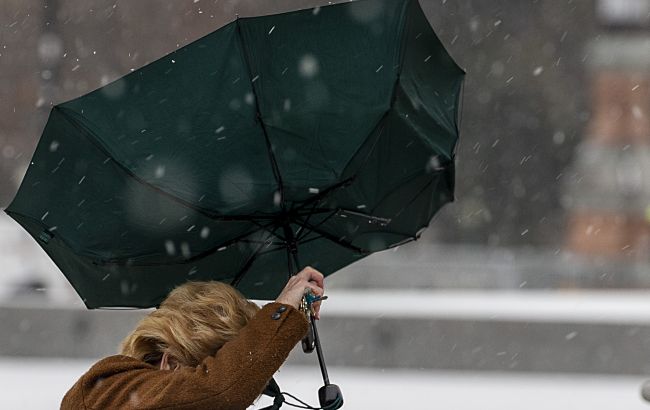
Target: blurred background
(532, 287)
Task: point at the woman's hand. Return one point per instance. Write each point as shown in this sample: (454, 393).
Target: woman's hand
(307, 279)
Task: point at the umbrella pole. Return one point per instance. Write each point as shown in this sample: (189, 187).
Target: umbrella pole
(292, 250)
(319, 351)
(330, 394)
(312, 321)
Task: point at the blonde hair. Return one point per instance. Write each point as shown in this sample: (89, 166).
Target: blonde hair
(192, 323)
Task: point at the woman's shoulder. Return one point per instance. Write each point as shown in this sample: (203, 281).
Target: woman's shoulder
(112, 366)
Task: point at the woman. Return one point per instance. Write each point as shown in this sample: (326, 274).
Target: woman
(205, 347)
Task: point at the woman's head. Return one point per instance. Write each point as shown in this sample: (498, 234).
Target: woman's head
(193, 322)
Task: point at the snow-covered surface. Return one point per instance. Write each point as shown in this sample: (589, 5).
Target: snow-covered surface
(40, 384)
(523, 305)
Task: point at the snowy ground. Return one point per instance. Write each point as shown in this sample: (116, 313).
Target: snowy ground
(40, 384)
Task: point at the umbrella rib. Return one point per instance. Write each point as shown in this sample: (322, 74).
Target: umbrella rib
(95, 140)
(284, 247)
(259, 252)
(185, 261)
(379, 126)
(307, 224)
(315, 238)
(222, 245)
(311, 228)
(240, 275)
(333, 238)
(370, 218)
(429, 182)
(267, 251)
(424, 188)
(325, 192)
(258, 112)
(125, 261)
(309, 215)
(271, 231)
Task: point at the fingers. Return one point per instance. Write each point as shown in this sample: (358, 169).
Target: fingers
(318, 278)
(312, 275)
(316, 307)
(315, 281)
(307, 279)
(315, 289)
(318, 291)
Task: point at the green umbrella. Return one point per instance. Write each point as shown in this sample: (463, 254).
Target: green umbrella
(327, 133)
(330, 129)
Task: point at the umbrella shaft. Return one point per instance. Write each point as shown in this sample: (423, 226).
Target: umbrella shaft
(294, 267)
(319, 352)
(292, 250)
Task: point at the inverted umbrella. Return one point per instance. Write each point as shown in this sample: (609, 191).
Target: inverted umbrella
(328, 133)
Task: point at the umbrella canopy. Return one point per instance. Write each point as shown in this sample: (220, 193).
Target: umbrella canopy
(331, 130)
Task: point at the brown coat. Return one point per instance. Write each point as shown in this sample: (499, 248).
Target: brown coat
(231, 379)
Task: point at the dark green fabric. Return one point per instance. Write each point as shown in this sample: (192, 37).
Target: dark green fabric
(340, 121)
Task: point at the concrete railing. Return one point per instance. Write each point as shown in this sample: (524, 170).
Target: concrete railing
(523, 331)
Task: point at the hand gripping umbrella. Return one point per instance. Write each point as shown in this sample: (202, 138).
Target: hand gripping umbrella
(313, 137)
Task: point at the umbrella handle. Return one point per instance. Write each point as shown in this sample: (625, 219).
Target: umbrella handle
(309, 341)
(330, 397)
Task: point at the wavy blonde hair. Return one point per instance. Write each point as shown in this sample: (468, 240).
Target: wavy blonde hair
(192, 323)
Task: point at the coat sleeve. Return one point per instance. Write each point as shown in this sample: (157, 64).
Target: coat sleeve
(231, 379)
